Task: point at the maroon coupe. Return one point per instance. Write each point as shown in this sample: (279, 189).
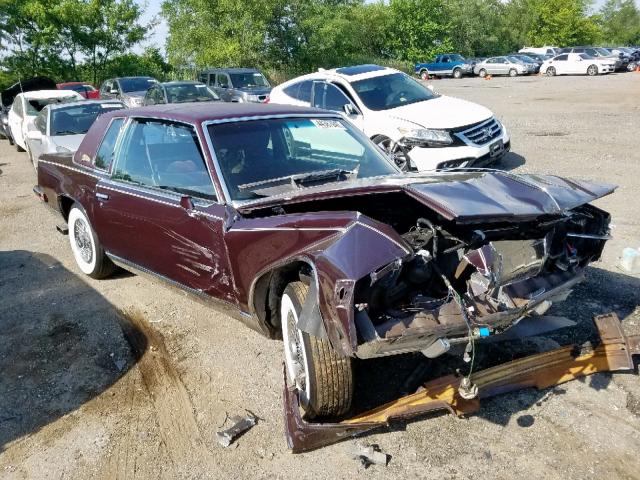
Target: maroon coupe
(298, 225)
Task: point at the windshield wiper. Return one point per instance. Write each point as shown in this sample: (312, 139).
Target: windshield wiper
(297, 180)
(68, 132)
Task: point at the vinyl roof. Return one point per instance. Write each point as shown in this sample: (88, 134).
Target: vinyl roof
(197, 112)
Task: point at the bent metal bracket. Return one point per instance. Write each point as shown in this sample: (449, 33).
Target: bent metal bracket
(614, 353)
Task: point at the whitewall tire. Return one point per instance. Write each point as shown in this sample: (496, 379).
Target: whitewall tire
(85, 246)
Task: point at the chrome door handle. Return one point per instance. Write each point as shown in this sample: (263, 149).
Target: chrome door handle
(103, 197)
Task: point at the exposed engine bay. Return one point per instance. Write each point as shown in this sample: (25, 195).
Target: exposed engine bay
(470, 281)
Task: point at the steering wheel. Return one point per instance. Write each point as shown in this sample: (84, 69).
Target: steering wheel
(397, 97)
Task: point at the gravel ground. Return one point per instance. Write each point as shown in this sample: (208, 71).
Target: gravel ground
(122, 379)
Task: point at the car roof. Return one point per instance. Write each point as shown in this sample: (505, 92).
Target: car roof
(58, 106)
(201, 112)
(64, 84)
(231, 70)
(180, 82)
(348, 74)
(41, 94)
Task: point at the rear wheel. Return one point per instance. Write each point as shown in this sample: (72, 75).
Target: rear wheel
(86, 248)
(424, 74)
(592, 70)
(19, 148)
(551, 71)
(322, 378)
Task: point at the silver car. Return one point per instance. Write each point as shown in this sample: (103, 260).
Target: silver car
(61, 127)
(501, 66)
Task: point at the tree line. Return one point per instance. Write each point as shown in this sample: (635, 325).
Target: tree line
(92, 40)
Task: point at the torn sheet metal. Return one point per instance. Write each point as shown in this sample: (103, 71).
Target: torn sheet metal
(542, 370)
(240, 425)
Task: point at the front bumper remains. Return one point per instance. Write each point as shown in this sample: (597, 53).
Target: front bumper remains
(614, 353)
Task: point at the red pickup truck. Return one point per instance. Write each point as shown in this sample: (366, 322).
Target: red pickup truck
(294, 222)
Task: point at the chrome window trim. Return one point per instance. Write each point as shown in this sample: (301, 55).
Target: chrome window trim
(93, 159)
(144, 192)
(214, 156)
(127, 125)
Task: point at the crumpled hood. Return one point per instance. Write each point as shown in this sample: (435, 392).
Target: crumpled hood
(466, 197)
(441, 112)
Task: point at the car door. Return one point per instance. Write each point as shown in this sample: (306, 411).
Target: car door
(15, 119)
(223, 85)
(561, 64)
(36, 137)
(331, 97)
(105, 90)
(158, 210)
(501, 66)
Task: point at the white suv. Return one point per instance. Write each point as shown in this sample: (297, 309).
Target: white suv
(421, 129)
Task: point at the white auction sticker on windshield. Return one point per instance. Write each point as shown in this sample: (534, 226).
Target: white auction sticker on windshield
(110, 105)
(328, 123)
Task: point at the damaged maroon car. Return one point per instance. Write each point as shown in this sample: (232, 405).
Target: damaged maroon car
(295, 223)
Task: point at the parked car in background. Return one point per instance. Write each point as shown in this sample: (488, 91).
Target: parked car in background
(501, 66)
(7, 96)
(547, 50)
(130, 90)
(237, 84)
(446, 65)
(600, 53)
(577, 64)
(26, 107)
(627, 55)
(59, 128)
(83, 88)
(179, 92)
(532, 63)
(292, 221)
(418, 128)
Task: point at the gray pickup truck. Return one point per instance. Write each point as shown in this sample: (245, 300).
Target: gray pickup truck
(237, 84)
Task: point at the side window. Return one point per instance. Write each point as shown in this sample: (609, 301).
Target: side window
(41, 121)
(562, 58)
(445, 60)
(107, 147)
(329, 97)
(149, 97)
(166, 156)
(17, 106)
(158, 96)
(223, 80)
(300, 91)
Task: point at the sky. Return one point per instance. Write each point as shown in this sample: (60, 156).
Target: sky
(159, 36)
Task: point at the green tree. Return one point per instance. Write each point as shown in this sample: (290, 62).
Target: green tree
(620, 22)
(475, 26)
(418, 29)
(52, 37)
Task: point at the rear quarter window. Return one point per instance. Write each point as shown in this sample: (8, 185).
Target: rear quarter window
(105, 153)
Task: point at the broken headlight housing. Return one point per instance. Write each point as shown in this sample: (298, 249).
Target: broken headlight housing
(425, 137)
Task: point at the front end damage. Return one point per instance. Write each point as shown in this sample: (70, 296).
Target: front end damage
(615, 352)
(462, 283)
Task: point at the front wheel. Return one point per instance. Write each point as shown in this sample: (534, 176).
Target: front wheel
(551, 71)
(19, 148)
(482, 73)
(457, 73)
(424, 75)
(86, 248)
(322, 378)
(592, 70)
(513, 72)
(395, 151)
